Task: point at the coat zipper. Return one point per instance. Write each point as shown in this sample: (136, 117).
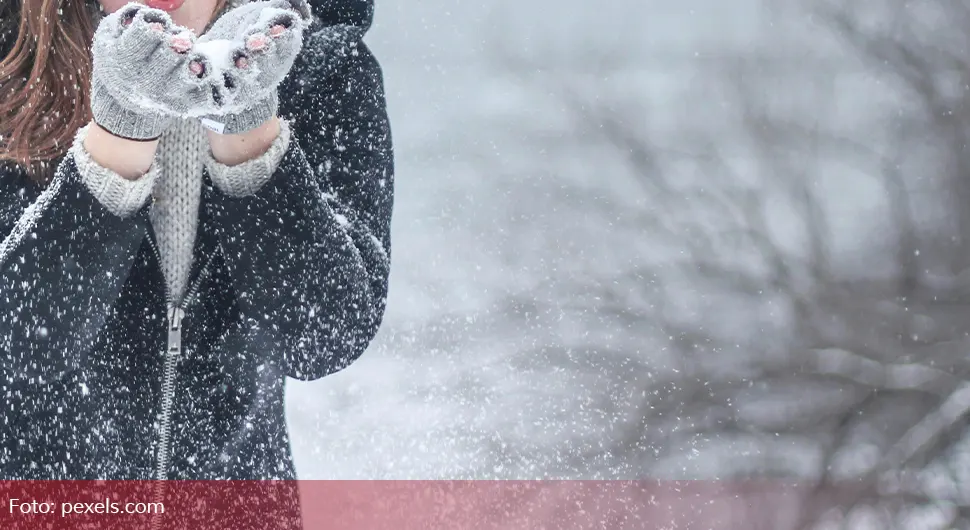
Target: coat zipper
(175, 323)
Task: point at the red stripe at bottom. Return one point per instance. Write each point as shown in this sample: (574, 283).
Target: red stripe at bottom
(397, 505)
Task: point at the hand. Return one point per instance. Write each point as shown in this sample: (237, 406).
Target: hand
(146, 72)
(254, 46)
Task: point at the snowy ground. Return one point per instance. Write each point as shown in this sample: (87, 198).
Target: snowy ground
(456, 386)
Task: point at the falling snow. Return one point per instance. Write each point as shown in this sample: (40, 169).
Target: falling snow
(630, 240)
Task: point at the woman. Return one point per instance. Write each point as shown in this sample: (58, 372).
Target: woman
(195, 202)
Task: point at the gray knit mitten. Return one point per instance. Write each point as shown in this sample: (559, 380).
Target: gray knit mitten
(146, 72)
(253, 46)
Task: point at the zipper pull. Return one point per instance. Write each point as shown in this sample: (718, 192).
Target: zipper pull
(175, 316)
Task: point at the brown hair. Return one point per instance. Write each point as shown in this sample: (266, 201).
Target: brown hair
(44, 80)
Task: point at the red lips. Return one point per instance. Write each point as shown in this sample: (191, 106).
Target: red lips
(165, 5)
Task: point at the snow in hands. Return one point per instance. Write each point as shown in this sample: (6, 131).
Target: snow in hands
(242, 58)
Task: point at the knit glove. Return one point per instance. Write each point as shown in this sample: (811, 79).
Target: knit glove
(253, 46)
(146, 72)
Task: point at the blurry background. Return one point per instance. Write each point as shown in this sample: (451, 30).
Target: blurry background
(692, 239)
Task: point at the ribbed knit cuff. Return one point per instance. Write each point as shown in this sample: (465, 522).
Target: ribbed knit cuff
(246, 178)
(119, 195)
(124, 122)
(245, 120)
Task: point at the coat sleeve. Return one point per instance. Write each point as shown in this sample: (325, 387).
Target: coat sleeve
(63, 260)
(309, 250)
